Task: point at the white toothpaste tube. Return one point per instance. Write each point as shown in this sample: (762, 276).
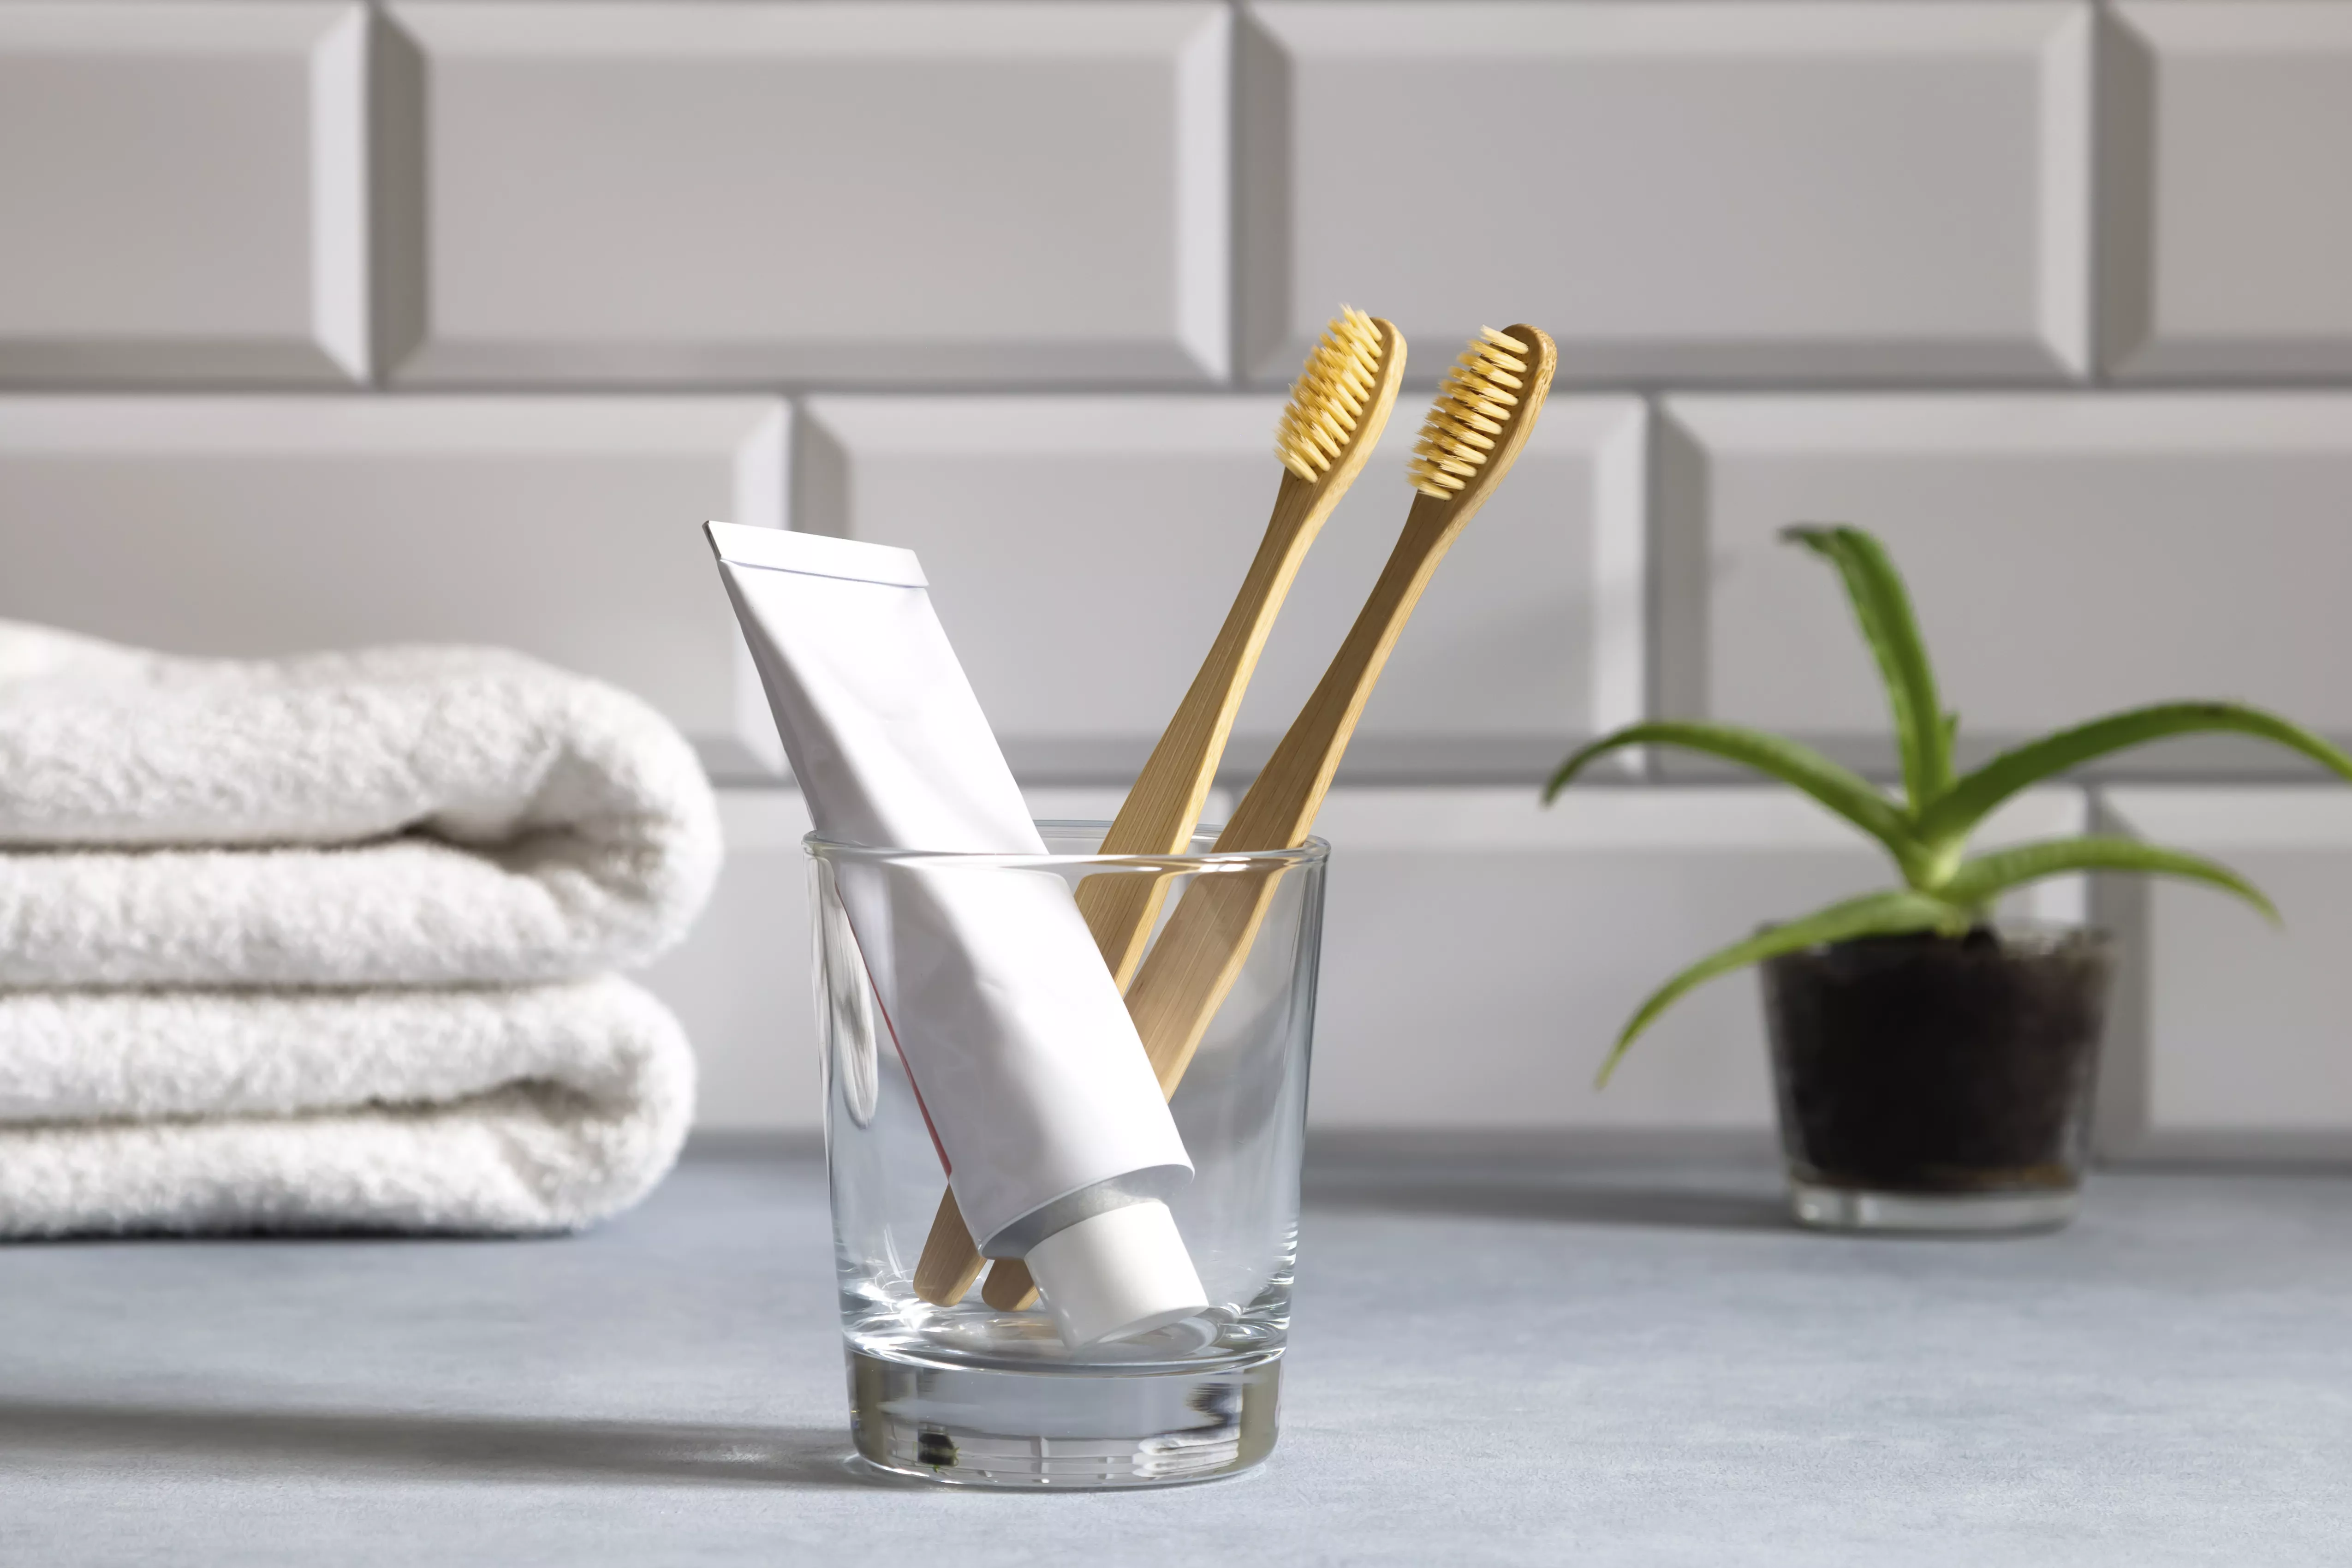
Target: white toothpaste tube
(1050, 1124)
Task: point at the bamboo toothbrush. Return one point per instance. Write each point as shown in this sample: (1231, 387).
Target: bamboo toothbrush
(1484, 412)
(1337, 410)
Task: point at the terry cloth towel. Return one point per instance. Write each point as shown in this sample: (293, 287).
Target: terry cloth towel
(313, 942)
(397, 816)
(513, 1110)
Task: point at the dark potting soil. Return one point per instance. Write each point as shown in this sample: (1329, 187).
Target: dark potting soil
(1930, 1064)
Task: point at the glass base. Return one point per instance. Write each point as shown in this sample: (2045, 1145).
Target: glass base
(1858, 1208)
(1067, 1430)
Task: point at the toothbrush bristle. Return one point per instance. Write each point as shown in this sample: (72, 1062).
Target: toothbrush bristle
(1475, 404)
(1330, 396)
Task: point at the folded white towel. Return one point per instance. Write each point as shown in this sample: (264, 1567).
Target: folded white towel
(397, 816)
(466, 821)
(521, 1110)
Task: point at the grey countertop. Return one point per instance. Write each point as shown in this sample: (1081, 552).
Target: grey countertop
(1491, 1364)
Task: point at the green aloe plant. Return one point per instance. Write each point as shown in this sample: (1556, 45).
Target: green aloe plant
(1945, 889)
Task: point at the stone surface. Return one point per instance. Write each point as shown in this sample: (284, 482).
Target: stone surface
(1635, 1365)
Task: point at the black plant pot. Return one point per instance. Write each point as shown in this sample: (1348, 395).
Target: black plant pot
(1938, 1083)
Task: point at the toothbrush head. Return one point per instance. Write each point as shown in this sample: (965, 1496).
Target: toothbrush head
(1485, 407)
(1344, 389)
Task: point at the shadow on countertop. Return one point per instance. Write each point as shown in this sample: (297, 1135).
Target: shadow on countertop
(1662, 1199)
(410, 1445)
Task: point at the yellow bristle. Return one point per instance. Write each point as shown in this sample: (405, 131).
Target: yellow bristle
(1330, 395)
(1474, 401)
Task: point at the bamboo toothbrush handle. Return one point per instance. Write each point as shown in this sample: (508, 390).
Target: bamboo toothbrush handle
(1194, 963)
(1332, 423)
(1184, 979)
(1345, 392)
(1164, 805)
(1160, 811)
(1190, 969)
(1281, 803)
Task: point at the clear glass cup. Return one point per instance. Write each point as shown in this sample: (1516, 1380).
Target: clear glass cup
(971, 1395)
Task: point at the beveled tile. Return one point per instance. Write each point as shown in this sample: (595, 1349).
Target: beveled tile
(2227, 240)
(569, 528)
(181, 194)
(2069, 555)
(1083, 552)
(851, 194)
(1677, 192)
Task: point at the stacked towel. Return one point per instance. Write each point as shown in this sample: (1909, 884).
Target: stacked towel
(328, 942)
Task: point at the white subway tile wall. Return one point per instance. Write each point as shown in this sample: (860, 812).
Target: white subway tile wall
(2229, 244)
(1480, 952)
(324, 324)
(1695, 191)
(1530, 636)
(2232, 1039)
(2069, 554)
(739, 983)
(181, 192)
(569, 528)
(734, 193)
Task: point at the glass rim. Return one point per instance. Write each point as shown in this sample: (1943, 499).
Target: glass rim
(1313, 852)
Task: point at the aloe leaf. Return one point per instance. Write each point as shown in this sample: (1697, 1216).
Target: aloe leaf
(1980, 880)
(1874, 914)
(1882, 607)
(1841, 789)
(1970, 801)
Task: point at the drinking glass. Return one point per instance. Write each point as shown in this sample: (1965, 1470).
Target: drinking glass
(971, 1395)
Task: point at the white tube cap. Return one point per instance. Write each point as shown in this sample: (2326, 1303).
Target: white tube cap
(1116, 1275)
